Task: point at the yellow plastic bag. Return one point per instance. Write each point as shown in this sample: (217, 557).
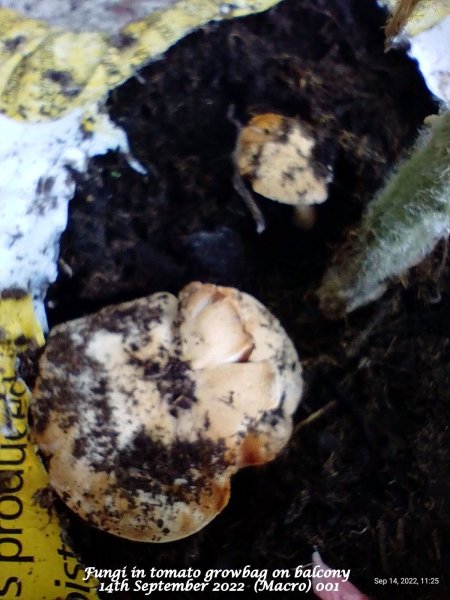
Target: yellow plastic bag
(36, 563)
(46, 72)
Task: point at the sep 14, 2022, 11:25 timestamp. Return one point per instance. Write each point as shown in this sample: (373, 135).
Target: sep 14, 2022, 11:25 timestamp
(406, 580)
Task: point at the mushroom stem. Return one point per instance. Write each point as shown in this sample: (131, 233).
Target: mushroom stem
(239, 185)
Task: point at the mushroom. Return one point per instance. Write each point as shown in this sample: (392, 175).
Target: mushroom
(145, 410)
(275, 154)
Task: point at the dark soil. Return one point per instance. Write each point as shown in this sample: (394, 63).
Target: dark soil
(367, 480)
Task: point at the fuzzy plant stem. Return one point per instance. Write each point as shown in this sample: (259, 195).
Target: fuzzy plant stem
(400, 227)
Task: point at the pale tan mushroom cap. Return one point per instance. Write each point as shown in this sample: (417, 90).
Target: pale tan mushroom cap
(275, 154)
(146, 409)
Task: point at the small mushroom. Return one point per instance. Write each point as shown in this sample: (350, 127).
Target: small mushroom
(275, 154)
(145, 410)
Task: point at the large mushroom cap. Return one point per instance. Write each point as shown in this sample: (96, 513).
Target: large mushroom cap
(145, 409)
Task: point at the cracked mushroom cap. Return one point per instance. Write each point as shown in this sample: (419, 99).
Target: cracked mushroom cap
(144, 410)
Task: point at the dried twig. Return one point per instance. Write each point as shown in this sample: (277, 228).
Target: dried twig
(399, 17)
(314, 416)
